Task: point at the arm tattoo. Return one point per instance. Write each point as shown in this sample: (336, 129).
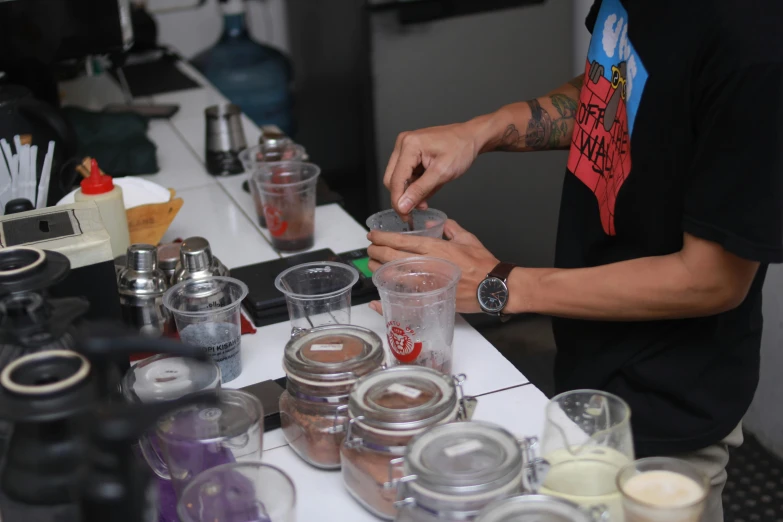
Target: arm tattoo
(577, 82)
(539, 127)
(510, 140)
(544, 131)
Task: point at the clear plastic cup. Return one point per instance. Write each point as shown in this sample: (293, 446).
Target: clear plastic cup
(317, 294)
(419, 297)
(287, 192)
(427, 223)
(207, 314)
(663, 489)
(253, 157)
(239, 493)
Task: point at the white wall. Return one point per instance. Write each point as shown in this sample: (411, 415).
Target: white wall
(581, 35)
(194, 30)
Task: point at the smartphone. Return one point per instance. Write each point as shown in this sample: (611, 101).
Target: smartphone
(268, 392)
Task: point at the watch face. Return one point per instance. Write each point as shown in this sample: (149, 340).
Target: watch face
(492, 294)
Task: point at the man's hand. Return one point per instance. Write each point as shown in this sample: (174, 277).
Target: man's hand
(425, 160)
(462, 248)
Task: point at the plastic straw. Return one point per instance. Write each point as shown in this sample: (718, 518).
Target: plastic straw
(8, 155)
(43, 186)
(34, 169)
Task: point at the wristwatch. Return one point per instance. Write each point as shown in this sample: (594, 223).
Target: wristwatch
(492, 292)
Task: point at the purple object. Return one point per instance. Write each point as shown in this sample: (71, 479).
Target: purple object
(226, 497)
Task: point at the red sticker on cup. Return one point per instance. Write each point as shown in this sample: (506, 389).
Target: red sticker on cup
(401, 342)
(274, 221)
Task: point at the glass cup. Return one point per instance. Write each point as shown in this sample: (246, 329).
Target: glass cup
(207, 314)
(239, 493)
(587, 440)
(419, 305)
(277, 150)
(427, 223)
(202, 436)
(287, 191)
(662, 489)
(163, 378)
(317, 294)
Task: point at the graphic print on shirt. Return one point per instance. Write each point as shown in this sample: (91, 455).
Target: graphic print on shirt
(614, 80)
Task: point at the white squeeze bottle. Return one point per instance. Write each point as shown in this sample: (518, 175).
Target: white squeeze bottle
(101, 189)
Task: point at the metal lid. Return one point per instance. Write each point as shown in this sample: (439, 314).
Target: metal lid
(464, 459)
(167, 377)
(532, 508)
(142, 257)
(333, 354)
(141, 276)
(168, 256)
(403, 398)
(234, 414)
(195, 254)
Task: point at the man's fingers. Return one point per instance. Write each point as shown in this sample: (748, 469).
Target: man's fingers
(420, 190)
(407, 162)
(456, 234)
(376, 306)
(384, 254)
(405, 242)
(395, 155)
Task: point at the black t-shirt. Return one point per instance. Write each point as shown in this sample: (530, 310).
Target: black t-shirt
(679, 129)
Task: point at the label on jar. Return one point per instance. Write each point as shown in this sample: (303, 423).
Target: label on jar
(326, 347)
(463, 448)
(407, 391)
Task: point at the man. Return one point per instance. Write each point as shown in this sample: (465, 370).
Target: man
(670, 214)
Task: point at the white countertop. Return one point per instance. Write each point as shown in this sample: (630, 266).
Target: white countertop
(323, 497)
(219, 210)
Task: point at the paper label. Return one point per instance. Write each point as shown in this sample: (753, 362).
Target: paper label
(463, 448)
(326, 347)
(407, 391)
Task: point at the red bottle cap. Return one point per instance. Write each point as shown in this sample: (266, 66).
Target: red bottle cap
(96, 183)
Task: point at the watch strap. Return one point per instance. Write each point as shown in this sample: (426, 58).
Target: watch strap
(502, 271)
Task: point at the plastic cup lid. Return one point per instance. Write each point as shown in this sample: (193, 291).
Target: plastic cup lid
(464, 458)
(532, 508)
(168, 377)
(403, 398)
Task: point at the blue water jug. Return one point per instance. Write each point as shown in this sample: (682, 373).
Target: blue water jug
(254, 76)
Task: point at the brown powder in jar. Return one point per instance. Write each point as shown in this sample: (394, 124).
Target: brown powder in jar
(309, 433)
(365, 472)
(352, 347)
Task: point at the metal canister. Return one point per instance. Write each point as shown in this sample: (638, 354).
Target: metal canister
(168, 257)
(141, 285)
(197, 262)
(225, 139)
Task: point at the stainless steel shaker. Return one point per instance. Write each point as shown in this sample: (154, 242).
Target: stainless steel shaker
(168, 258)
(197, 262)
(142, 285)
(225, 139)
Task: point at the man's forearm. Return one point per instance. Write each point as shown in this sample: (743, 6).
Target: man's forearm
(545, 123)
(662, 287)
